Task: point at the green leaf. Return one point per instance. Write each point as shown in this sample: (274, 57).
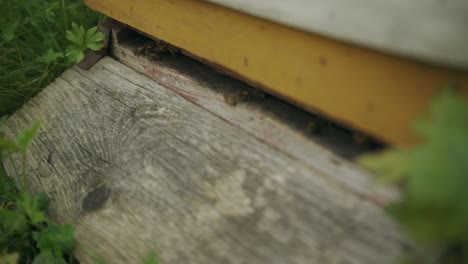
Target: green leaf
(82, 41)
(49, 10)
(151, 258)
(3, 119)
(57, 238)
(31, 206)
(99, 260)
(31, 21)
(95, 46)
(439, 166)
(49, 56)
(94, 39)
(4, 240)
(8, 144)
(389, 166)
(76, 35)
(433, 207)
(25, 137)
(446, 108)
(430, 223)
(74, 54)
(92, 35)
(74, 7)
(91, 32)
(47, 257)
(11, 258)
(8, 188)
(42, 201)
(8, 31)
(12, 221)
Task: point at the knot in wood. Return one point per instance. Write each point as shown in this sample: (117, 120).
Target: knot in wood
(96, 199)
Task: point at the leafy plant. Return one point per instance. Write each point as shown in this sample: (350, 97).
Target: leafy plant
(82, 41)
(434, 174)
(34, 48)
(26, 234)
(38, 41)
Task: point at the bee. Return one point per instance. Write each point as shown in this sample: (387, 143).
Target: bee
(154, 49)
(244, 96)
(161, 46)
(316, 125)
(145, 49)
(234, 99)
(256, 93)
(154, 56)
(360, 138)
(313, 127)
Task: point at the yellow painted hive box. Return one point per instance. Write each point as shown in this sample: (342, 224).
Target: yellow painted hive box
(370, 65)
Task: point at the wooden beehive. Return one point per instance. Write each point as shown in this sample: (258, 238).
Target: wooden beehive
(373, 66)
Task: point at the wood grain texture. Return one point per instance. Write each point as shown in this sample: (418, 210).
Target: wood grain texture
(135, 167)
(269, 120)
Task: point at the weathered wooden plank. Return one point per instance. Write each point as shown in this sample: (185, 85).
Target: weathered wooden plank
(430, 30)
(135, 166)
(270, 120)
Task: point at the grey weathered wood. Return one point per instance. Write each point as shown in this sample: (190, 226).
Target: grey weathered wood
(269, 120)
(135, 167)
(430, 30)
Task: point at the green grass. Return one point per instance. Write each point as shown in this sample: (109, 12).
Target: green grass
(33, 45)
(26, 233)
(38, 41)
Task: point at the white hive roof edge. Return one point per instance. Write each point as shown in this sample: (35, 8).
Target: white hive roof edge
(432, 31)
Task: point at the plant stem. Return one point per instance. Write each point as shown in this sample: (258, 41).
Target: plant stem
(10, 157)
(3, 173)
(23, 164)
(64, 13)
(15, 42)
